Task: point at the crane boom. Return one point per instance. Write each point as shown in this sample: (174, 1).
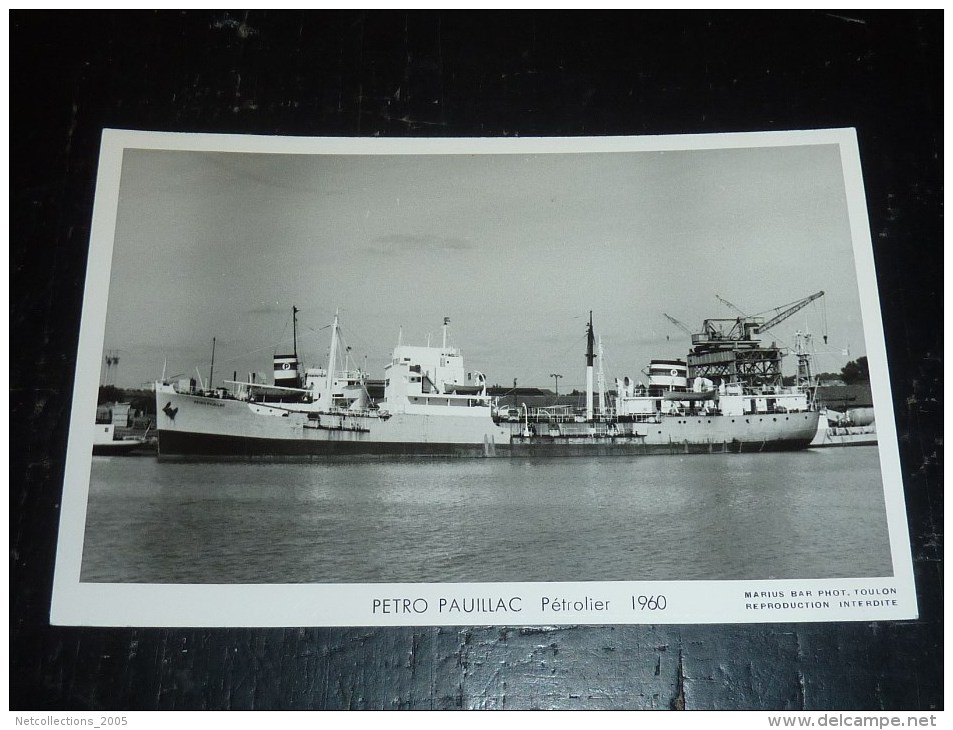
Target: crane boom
(678, 324)
(788, 310)
(729, 305)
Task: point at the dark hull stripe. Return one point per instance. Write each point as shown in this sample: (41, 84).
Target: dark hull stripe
(123, 450)
(176, 445)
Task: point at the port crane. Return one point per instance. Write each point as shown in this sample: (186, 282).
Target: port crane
(730, 350)
(748, 327)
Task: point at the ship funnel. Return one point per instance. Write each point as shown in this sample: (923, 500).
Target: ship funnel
(287, 368)
(287, 372)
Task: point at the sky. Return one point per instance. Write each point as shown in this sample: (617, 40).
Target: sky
(514, 249)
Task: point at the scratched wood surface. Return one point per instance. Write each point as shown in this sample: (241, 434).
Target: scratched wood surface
(417, 74)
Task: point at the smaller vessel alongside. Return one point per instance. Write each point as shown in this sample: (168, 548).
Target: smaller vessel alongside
(856, 427)
(106, 442)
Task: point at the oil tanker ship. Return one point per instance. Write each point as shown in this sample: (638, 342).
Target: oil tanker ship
(428, 409)
(727, 397)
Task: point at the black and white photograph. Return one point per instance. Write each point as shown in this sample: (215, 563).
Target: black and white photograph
(367, 382)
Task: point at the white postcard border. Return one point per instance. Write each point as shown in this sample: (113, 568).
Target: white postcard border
(656, 602)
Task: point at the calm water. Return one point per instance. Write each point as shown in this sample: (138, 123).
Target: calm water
(816, 514)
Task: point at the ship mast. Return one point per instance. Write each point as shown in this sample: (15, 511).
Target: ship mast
(602, 382)
(294, 334)
(211, 368)
(590, 356)
(332, 355)
(802, 348)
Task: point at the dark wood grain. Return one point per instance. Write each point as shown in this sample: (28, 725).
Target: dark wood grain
(416, 74)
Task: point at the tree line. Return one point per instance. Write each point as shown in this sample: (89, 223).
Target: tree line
(143, 401)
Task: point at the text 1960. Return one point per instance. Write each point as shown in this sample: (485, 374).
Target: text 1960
(649, 603)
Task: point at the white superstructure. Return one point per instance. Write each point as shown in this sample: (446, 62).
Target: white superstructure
(430, 406)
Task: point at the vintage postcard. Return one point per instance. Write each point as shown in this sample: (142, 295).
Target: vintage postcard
(368, 382)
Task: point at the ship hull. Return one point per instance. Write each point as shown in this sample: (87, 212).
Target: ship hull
(831, 443)
(195, 427)
(199, 428)
(676, 435)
